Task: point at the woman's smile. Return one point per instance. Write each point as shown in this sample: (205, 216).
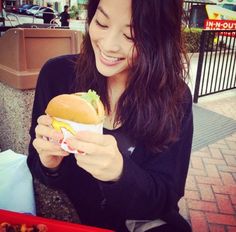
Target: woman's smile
(109, 60)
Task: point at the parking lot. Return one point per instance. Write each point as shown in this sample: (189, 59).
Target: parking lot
(18, 19)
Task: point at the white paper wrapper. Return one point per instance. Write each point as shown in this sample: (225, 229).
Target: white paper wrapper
(77, 127)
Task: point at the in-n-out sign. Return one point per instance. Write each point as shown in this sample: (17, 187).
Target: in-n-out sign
(220, 24)
(211, 24)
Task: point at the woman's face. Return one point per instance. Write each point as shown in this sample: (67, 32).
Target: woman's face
(110, 34)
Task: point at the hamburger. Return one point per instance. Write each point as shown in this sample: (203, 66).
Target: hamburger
(75, 112)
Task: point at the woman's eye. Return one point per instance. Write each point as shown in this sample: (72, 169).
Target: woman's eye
(128, 37)
(99, 24)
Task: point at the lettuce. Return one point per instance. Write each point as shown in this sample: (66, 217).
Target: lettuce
(91, 96)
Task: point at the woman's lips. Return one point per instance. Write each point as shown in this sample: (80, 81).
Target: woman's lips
(109, 61)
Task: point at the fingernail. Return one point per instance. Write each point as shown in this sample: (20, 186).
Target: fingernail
(80, 152)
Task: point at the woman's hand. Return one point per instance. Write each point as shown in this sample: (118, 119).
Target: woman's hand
(47, 143)
(101, 157)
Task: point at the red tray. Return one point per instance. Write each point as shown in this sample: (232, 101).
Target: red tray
(53, 225)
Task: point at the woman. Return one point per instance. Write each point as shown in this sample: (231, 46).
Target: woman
(136, 171)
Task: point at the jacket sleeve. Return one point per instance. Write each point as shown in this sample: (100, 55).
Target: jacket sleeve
(153, 188)
(51, 82)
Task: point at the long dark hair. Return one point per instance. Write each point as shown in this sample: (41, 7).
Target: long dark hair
(150, 107)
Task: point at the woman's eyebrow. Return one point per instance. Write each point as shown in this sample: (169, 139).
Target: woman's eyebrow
(103, 12)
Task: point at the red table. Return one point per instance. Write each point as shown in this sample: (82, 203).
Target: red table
(53, 225)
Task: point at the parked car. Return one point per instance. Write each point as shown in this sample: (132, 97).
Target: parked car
(33, 10)
(24, 8)
(39, 14)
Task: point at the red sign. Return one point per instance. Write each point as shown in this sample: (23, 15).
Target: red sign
(211, 24)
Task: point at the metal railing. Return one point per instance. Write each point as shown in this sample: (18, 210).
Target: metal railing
(216, 70)
(8, 17)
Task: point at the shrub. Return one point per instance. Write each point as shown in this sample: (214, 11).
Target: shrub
(78, 11)
(73, 12)
(191, 38)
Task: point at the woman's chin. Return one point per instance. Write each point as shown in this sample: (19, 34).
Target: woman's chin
(107, 70)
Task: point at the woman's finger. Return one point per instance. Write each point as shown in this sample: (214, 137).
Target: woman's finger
(48, 132)
(92, 137)
(44, 120)
(48, 147)
(84, 147)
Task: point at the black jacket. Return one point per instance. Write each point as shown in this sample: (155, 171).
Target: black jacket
(151, 184)
(48, 15)
(64, 19)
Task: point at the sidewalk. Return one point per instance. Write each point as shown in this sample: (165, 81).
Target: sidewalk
(210, 194)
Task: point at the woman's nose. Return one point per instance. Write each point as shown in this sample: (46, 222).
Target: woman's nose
(111, 42)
